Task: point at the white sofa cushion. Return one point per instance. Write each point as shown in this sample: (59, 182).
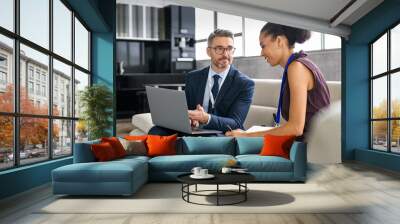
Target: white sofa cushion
(143, 122)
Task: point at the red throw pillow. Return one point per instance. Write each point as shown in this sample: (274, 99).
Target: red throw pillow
(277, 145)
(136, 137)
(161, 145)
(103, 151)
(116, 145)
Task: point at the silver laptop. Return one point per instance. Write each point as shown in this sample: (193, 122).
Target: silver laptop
(169, 109)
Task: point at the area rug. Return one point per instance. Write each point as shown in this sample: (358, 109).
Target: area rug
(167, 198)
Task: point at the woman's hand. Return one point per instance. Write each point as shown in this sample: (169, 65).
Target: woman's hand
(236, 133)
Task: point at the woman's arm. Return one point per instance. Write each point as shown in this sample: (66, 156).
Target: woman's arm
(300, 80)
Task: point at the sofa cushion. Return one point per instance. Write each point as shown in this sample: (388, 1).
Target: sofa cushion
(277, 145)
(257, 163)
(185, 163)
(103, 152)
(161, 145)
(249, 145)
(83, 152)
(112, 171)
(116, 145)
(259, 115)
(207, 145)
(134, 147)
(142, 122)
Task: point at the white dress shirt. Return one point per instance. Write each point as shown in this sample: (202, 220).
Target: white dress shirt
(210, 83)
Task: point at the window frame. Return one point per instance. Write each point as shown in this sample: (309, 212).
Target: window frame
(242, 34)
(388, 74)
(16, 114)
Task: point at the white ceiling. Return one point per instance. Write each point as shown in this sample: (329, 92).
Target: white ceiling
(316, 15)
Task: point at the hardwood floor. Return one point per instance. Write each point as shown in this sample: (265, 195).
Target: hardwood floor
(354, 182)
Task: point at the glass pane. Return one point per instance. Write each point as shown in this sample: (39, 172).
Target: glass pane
(137, 21)
(332, 41)
(6, 74)
(201, 50)
(151, 22)
(7, 14)
(395, 136)
(81, 81)
(81, 132)
(238, 41)
(62, 138)
(204, 23)
(229, 22)
(33, 139)
(6, 142)
(34, 81)
(62, 29)
(379, 98)
(395, 95)
(122, 20)
(62, 89)
(81, 45)
(379, 135)
(35, 21)
(312, 44)
(395, 47)
(379, 55)
(252, 33)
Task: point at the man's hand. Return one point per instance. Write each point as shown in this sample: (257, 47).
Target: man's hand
(198, 115)
(194, 123)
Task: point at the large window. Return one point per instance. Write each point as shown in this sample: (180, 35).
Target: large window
(246, 32)
(37, 66)
(385, 96)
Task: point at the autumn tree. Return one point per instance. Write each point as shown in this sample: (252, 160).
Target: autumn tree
(33, 131)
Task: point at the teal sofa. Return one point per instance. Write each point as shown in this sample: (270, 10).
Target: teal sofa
(125, 176)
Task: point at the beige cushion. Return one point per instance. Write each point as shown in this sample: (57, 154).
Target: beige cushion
(134, 147)
(259, 115)
(266, 92)
(142, 122)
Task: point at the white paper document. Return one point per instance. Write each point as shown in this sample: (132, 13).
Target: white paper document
(257, 128)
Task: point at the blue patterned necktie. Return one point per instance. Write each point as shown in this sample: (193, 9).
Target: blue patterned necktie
(214, 91)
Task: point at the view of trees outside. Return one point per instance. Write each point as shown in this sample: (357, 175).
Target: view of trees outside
(34, 118)
(379, 128)
(33, 138)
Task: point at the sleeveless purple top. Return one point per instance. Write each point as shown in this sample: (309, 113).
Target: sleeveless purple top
(317, 98)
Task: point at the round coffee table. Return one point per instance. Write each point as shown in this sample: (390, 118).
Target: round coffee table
(238, 179)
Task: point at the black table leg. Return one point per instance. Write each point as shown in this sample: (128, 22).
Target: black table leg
(217, 194)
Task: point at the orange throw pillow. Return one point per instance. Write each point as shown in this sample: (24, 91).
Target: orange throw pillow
(277, 145)
(103, 152)
(136, 137)
(161, 145)
(116, 145)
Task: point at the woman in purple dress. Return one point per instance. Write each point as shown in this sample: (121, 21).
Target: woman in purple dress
(303, 89)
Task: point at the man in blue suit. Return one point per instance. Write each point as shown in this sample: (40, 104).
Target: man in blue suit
(218, 96)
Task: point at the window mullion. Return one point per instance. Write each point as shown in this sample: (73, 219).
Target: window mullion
(16, 84)
(389, 95)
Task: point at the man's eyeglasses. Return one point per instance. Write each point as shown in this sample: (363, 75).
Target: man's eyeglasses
(221, 50)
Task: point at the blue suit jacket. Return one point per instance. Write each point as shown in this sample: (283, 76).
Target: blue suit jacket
(233, 100)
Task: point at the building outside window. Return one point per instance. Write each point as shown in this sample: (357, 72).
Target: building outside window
(34, 75)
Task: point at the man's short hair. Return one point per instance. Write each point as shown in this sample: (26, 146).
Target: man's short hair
(219, 33)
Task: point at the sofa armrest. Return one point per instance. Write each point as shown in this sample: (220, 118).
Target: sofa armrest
(298, 155)
(83, 152)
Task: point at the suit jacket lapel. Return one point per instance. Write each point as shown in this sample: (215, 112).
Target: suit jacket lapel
(225, 86)
(202, 86)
